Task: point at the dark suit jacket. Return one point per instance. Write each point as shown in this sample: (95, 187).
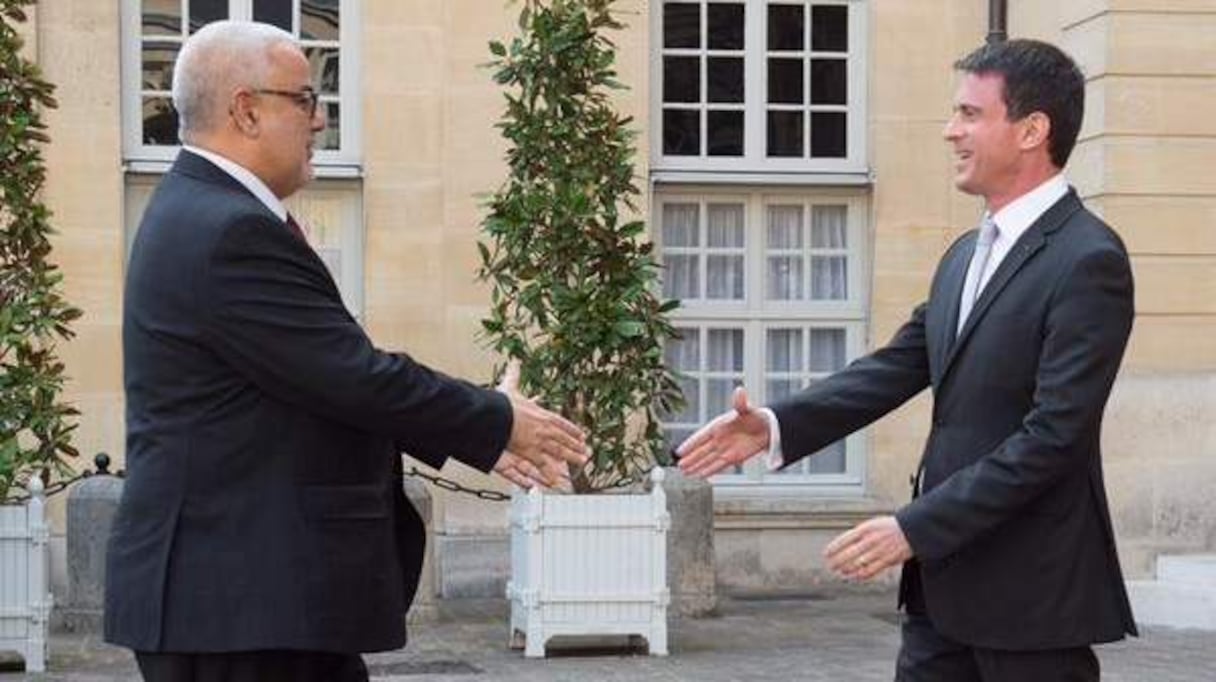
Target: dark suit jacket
(263, 506)
(1012, 537)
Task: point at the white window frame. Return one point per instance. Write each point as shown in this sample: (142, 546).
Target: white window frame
(755, 314)
(344, 162)
(851, 169)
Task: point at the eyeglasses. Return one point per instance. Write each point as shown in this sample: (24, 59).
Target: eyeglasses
(306, 99)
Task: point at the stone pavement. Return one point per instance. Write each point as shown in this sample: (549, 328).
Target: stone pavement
(838, 637)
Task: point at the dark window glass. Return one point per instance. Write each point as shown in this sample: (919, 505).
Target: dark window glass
(319, 20)
(828, 134)
(726, 79)
(785, 27)
(323, 62)
(830, 28)
(681, 24)
(162, 17)
(203, 12)
(681, 132)
(725, 133)
(158, 59)
(681, 79)
(330, 138)
(785, 81)
(725, 26)
(276, 12)
(160, 121)
(785, 133)
(829, 81)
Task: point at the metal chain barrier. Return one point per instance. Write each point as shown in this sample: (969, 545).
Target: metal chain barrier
(495, 496)
(101, 461)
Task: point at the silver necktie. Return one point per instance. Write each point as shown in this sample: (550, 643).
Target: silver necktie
(975, 272)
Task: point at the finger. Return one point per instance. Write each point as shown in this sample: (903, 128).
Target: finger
(703, 434)
(740, 401)
(696, 458)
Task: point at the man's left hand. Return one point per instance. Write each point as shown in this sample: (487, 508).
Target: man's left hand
(868, 549)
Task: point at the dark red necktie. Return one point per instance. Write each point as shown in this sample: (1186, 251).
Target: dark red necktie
(295, 228)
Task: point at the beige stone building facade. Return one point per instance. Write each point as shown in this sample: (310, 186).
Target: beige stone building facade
(797, 185)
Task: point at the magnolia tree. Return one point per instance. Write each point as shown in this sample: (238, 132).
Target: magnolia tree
(35, 425)
(573, 277)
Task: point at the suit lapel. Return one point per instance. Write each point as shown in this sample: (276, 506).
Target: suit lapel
(952, 284)
(1030, 243)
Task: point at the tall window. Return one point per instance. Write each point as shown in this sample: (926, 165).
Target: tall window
(154, 31)
(773, 297)
(759, 85)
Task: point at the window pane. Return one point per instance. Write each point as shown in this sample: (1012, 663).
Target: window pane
(779, 389)
(683, 352)
(725, 26)
(828, 134)
(783, 350)
(829, 278)
(725, 133)
(829, 227)
(827, 350)
(691, 413)
(725, 79)
(829, 81)
(331, 136)
(319, 20)
(160, 121)
(681, 79)
(682, 24)
(830, 28)
(162, 17)
(784, 227)
(203, 12)
(725, 350)
(681, 132)
(718, 394)
(323, 62)
(275, 12)
(784, 278)
(785, 81)
(785, 27)
(725, 226)
(680, 225)
(829, 460)
(681, 276)
(158, 61)
(725, 277)
(785, 133)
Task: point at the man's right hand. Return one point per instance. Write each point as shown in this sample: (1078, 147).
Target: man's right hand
(543, 438)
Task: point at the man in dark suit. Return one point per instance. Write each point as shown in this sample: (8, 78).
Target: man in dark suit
(263, 534)
(1009, 563)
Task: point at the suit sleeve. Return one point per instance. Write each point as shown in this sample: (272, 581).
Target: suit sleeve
(854, 397)
(271, 311)
(1087, 327)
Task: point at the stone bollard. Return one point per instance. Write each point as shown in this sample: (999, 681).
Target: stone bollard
(691, 574)
(91, 506)
(424, 606)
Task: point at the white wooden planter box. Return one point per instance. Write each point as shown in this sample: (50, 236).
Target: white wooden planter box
(25, 600)
(589, 565)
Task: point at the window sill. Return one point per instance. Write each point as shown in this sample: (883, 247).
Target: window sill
(755, 512)
(783, 179)
(321, 171)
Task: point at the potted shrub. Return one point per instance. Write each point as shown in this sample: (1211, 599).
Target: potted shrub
(35, 427)
(573, 300)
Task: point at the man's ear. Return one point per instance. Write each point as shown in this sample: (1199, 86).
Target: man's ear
(1036, 130)
(244, 115)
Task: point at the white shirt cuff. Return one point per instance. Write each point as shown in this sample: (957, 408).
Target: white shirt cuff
(774, 459)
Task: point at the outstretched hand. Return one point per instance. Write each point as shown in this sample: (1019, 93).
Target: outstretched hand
(541, 442)
(729, 440)
(868, 549)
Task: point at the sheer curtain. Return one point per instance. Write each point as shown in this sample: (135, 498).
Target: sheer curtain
(784, 276)
(681, 263)
(724, 271)
(829, 271)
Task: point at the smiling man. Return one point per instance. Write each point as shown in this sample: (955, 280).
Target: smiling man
(263, 535)
(1009, 565)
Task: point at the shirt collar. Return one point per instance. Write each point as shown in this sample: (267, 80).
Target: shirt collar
(244, 176)
(1018, 215)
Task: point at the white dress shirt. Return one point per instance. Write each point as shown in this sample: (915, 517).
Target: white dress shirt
(244, 176)
(1012, 221)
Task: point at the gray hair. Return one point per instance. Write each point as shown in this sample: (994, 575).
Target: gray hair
(221, 57)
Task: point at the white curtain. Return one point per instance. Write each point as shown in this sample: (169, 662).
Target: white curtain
(682, 271)
(783, 278)
(829, 273)
(684, 355)
(827, 350)
(724, 273)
